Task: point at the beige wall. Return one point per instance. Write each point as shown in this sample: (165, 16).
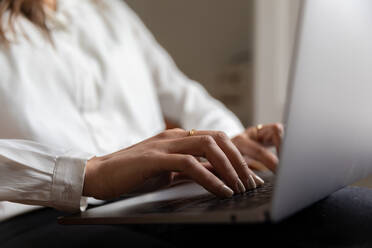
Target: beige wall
(207, 38)
(275, 23)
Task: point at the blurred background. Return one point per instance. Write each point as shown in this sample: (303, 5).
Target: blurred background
(238, 50)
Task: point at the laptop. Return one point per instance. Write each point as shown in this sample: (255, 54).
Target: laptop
(328, 131)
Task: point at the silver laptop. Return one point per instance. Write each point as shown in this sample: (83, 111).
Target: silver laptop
(328, 138)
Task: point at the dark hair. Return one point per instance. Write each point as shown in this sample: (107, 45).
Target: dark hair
(33, 10)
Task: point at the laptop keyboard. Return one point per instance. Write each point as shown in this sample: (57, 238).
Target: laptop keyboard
(250, 199)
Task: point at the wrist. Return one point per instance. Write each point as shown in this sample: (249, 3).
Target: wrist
(90, 181)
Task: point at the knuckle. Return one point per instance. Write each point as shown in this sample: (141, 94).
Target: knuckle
(222, 136)
(260, 150)
(163, 134)
(177, 129)
(189, 162)
(207, 140)
(239, 139)
(189, 159)
(278, 127)
(170, 133)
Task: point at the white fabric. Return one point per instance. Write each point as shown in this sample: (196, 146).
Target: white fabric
(103, 85)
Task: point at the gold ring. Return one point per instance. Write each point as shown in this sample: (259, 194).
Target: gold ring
(192, 132)
(258, 128)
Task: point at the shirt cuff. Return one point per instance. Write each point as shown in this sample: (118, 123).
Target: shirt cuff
(68, 182)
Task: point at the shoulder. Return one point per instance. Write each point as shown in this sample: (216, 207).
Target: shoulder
(117, 11)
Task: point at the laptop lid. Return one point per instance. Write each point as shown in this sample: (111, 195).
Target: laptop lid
(329, 111)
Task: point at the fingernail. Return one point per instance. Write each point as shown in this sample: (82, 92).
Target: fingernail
(253, 183)
(250, 183)
(241, 186)
(226, 191)
(259, 179)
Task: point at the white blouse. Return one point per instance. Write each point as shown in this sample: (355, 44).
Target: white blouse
(103, 84)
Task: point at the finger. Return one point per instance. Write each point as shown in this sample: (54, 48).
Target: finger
(253, 179)
(258, 152)
(207, 147)
(187, 164)
(233, 154)
(277, 141)
(255, 165)
(230, 150)
(207, 165)
(272, 135)
(171, 134)
(268, 135)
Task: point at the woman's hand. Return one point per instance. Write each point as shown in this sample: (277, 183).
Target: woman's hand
(253, 144)
(171, 154)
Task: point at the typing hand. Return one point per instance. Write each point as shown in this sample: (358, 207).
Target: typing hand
(254, 141)
(167, 155)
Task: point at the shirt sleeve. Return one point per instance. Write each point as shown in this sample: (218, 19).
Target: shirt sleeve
(182, 100)
(31, 173)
